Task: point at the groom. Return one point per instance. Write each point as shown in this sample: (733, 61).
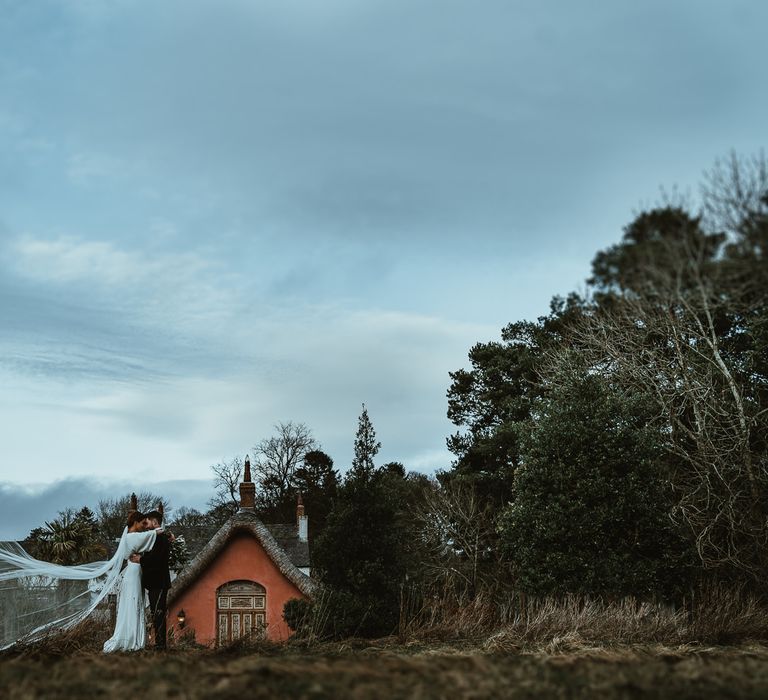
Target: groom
(156, 576)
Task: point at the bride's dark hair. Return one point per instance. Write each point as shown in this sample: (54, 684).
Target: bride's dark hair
(134, 518)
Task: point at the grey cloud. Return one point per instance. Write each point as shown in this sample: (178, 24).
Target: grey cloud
(398, 118)
(448, 159)
(50, 337)
(23, 508)
(70, 332)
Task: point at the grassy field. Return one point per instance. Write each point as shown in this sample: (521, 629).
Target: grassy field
(385, 669)
(566, 648)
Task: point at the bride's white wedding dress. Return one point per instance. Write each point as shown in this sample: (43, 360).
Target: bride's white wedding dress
(130, 628)
(38, 598)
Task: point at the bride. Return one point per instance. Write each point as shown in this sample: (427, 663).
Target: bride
(130, 627)
(37, 598)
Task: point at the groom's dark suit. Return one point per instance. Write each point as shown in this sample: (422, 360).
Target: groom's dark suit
(156, 578)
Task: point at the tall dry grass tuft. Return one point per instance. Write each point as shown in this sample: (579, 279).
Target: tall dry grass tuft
(87, 637)
(558, 622)
(451, 616)
(717, 614)
(723, 615)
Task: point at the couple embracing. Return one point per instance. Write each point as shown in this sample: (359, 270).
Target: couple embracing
(147, 549)
(140, 563)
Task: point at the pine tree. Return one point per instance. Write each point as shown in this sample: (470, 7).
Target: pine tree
(366, 445)
(361, 553)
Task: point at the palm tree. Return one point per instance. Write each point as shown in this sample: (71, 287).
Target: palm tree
(69, 539)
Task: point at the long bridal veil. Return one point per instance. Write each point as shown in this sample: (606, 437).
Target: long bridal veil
(38, 598)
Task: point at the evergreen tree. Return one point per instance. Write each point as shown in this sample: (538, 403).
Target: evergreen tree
(590, 514)
(366, 445)
(489, 401)
(317, 482)
(361, 554)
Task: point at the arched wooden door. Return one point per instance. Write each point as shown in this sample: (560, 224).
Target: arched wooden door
(241, 608)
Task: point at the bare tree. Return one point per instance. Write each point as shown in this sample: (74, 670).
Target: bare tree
(112, 513)
(275, 462)
(226, 484)
(456, 532)
(188, 517)
(734, 190)
(665, 337)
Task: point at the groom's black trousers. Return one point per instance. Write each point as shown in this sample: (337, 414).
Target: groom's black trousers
(157, 580)
(158, 608)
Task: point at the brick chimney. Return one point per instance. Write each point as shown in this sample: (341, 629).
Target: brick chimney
(247, 489)
(302, 521)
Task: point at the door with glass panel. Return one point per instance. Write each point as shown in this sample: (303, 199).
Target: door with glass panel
(241, 610)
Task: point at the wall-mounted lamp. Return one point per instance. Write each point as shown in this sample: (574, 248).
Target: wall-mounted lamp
(182, 618)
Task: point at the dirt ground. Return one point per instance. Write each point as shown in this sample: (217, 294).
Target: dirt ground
(392, 671)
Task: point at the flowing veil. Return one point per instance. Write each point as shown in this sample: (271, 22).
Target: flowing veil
(38, 598)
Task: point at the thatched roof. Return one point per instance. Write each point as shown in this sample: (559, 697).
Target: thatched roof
(244, 521)
(286, 534)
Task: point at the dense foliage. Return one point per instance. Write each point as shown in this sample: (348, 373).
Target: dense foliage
(71, 538)
(487, 401)
(362, 555)
(675, 316)
(590, 511)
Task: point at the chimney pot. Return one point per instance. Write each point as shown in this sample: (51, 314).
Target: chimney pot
(247, 477)
(247, 488)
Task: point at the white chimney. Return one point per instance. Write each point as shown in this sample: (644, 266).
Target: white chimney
(302, 521)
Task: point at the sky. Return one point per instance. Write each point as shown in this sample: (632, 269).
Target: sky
(215, 216)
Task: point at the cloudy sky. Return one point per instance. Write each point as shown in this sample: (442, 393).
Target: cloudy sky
(219, 215)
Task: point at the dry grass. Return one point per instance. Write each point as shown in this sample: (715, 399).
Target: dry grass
(717, 616)
(87, 637)
(569, 648)
(714, 619)
(384, 669)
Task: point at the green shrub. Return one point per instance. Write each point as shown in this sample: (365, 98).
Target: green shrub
(297, 613)
(590, 513)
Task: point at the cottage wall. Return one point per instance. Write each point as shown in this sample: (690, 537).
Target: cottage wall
(242, 558)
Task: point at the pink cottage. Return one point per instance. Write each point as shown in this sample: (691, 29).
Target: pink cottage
(240, 580)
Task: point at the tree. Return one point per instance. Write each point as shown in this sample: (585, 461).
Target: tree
(275, 463)
(590, 513)
(734, 192)
(196, 528)
(185, 517)
(680, 315)
(226, 484)
(216, 516)
(361, 555)
(317, 482)
(489, 400)
(366, 445)
(456, 531)
(676, 313)
(113, 512)
(178, 555)
(71, 538)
